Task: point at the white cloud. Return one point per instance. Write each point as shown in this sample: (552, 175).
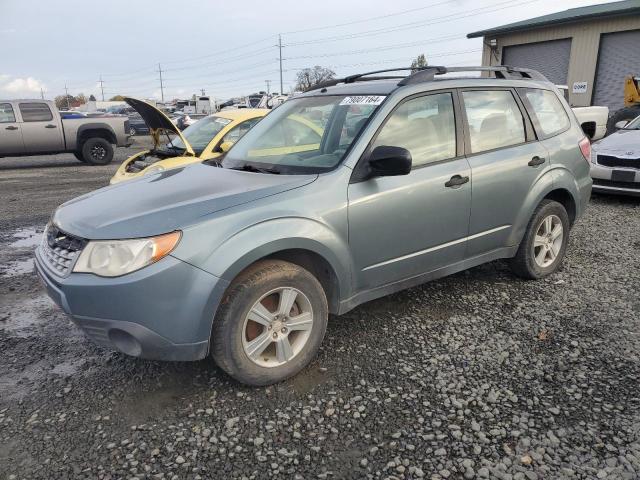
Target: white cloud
(27, 86)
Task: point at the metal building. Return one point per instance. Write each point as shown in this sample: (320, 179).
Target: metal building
(590, 49)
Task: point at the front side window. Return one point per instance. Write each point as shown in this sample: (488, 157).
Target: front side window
(6, 113)
(201, 133)
(237, 132)
(35, 112)
(425, 126)
(303, 135)
(548, 113)
(494, 119)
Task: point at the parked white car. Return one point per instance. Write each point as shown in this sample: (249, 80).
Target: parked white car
(615, 160)
(593, 120)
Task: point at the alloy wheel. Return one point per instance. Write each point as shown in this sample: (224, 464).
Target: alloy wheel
(548, 241)
(277, 327)
(98, 152)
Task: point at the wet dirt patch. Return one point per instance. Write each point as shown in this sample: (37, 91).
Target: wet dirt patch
(22, 318)
(26, 238)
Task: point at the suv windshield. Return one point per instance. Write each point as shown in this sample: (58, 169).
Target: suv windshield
(200, 133)
(303, 135)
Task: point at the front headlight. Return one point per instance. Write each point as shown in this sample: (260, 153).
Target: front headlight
(112, 258)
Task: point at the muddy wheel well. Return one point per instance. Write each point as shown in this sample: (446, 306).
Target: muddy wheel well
(564, 198)
(319, 267)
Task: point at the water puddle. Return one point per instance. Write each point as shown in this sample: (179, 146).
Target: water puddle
(26, 238)
(17, 267)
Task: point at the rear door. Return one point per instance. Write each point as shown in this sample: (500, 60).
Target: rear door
(40, 130)
(404, 226)
(10, 131)
(505, 159)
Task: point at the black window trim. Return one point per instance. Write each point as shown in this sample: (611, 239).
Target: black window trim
(35, 103)
(13, 112)
(530, 135)
(359, 171)
(534, 119)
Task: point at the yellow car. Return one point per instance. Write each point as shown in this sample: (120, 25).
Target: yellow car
(208, 138)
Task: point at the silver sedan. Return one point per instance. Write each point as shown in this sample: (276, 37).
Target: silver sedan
(615, 160)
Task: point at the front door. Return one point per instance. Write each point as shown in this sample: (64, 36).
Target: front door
(40, 131)
(10, 131)
(401, 227)
(505, 159)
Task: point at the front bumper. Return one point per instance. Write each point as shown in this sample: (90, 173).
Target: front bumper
(163, 311)
(603, 182)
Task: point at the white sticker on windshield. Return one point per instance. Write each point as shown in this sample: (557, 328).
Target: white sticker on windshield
(363, 100)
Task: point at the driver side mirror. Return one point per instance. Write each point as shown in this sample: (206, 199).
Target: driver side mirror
(621, 124)
(225, 147)
(386, 161)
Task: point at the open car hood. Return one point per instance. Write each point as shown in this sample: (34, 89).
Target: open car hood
(157, 122)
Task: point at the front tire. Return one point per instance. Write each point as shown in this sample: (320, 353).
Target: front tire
(542, 249)
(132, 131)
(626, 113)
(97, 151)
(270, 323)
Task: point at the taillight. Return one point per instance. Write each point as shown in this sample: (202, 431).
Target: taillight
(585, 148)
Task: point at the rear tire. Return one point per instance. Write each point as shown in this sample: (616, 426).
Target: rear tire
(97, 151)
(626, 113)
(542, 249)
(256, 337)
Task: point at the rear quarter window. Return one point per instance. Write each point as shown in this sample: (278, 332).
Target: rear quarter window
(35, 112)
(547, 113)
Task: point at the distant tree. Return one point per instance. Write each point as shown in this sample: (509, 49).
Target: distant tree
(419, 61)
(92, 98)
(69, 101)
(308, 77)
(117, 98)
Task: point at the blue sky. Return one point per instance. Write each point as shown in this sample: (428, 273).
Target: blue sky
(228, 48)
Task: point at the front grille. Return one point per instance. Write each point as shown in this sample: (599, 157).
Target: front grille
(61, 250)
(615, 184)
(611, 161)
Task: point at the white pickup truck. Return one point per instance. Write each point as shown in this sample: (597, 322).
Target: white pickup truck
(36, 127)
(593, 120)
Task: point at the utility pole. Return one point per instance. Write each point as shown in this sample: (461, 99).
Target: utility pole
(202, 90)
(161, 86)
(42, 93)
(280, 50)
(67, 96)
(268, 82)
(102, 87)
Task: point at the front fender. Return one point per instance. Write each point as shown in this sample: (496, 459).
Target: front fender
(262, 239)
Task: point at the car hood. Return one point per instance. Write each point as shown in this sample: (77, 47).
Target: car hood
(167, 201)
(157, 121)
(625, 142)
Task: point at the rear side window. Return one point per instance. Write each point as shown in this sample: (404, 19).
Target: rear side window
(6, 113)
(494, 119)
(35, 112)
(548, 114)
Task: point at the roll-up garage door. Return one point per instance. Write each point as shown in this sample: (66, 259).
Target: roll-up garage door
(619, 55)
(549, 58)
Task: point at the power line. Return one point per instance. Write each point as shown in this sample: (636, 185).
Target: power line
(404, 12)
(411, 25)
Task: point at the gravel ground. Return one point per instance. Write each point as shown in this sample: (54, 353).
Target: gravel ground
(479, 375)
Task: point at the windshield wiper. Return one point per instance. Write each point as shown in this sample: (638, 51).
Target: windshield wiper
(251, 168)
